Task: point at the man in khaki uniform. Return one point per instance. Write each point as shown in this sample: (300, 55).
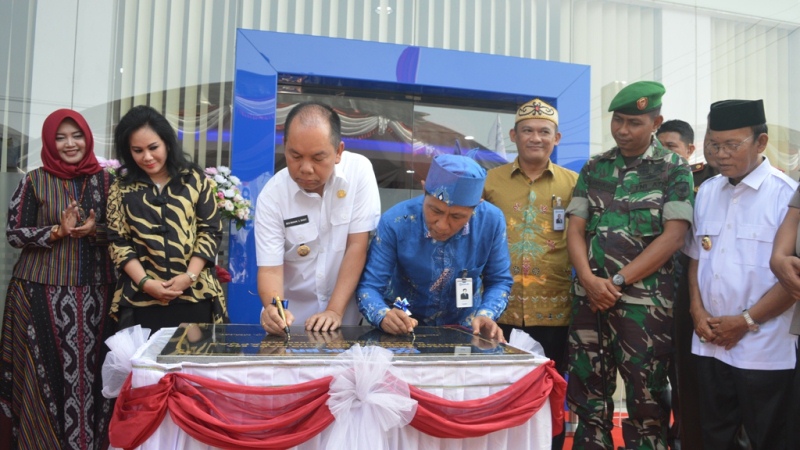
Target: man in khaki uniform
(532, 192)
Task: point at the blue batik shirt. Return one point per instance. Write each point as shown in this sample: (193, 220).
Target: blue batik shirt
(404, 261)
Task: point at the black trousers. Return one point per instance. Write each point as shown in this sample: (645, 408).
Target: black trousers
(794, 407)
(157, 317)
(731, 397)
(685, 392)
(554, 341)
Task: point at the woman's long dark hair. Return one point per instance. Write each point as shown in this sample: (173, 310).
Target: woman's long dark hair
(137, 118)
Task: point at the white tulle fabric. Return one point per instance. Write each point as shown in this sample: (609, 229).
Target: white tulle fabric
(117, 364)
(367, 400)
(523, 341)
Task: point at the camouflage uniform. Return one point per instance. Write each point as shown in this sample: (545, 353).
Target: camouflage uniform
(625, 209)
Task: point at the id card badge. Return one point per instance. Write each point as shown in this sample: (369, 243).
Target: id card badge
(464, 292)
(558, 214)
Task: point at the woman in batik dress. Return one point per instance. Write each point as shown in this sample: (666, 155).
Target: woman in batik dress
(56, 313)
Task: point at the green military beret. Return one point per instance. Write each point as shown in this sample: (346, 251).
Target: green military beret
(638, 98)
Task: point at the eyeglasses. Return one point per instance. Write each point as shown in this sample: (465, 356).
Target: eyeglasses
(729, 148)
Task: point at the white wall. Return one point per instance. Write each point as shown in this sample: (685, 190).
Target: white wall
(785, 11)
(73, 43)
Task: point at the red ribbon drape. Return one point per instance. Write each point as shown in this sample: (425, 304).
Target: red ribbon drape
(228, 415)
(508, 408)
(222, 414)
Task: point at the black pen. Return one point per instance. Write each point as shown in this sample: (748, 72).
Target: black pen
(282, 313)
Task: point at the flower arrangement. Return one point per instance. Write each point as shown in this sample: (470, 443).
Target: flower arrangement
(109, 165)
(230, 202)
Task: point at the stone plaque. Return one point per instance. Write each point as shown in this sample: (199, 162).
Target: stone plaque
(239, 342)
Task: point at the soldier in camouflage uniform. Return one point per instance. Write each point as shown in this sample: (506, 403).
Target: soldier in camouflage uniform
(629, 214)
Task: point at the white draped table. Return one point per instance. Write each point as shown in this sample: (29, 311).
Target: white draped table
(470, 379)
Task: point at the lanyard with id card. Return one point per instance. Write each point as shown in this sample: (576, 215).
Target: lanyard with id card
(464, 291)
(558, 213)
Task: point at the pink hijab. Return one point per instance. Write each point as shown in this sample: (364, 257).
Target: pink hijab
(53, 163)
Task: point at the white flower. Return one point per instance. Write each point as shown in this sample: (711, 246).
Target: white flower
(229, 198)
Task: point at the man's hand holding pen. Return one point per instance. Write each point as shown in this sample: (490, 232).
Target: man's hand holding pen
(398, 320)
(273, 321)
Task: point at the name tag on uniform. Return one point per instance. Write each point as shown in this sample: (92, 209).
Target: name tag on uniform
(558, 214)
(558, 219)
(294, 221)
(464, 292)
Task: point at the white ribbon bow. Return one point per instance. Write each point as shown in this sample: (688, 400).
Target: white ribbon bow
(367, 400)
(117, 364)
(523, 341)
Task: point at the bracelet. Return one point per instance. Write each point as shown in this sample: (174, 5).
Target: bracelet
(144, 279)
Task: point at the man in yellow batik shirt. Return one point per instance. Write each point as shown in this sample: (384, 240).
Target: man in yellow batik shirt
(533, 193)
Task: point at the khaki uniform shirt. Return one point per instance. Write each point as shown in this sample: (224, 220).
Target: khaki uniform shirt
(540, 265)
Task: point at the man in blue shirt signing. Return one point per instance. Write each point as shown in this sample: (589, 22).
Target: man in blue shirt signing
(429, 249)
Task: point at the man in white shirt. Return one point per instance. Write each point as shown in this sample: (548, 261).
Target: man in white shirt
(740, 311)
(312, 225)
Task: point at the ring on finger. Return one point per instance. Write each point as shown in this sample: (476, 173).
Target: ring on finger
(703, 340)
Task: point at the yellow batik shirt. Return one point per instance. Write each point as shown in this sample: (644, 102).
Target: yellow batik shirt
(539, 260)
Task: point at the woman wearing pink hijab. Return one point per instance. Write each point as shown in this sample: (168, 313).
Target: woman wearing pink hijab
(56, 311)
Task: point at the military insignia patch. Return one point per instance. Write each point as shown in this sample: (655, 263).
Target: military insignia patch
(682, 190)
(641, 104)
(706, 243)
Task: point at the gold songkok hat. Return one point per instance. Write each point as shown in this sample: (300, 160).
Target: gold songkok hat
(537, 109)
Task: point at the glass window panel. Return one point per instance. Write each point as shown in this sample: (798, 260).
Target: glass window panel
(378, 129)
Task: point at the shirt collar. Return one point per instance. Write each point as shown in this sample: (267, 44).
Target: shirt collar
(515, 168)
(427, 234)
(757, 176)
(337, 180)
(654, 151)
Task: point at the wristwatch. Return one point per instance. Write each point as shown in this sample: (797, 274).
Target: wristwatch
(752, 325)
(192, 276)
(619, 280)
